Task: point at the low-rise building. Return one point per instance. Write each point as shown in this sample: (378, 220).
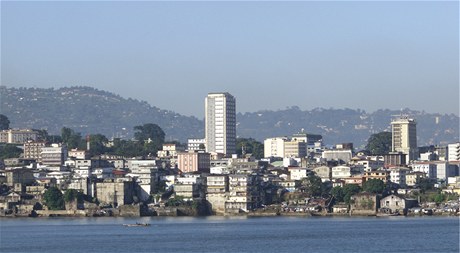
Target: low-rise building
(324, 172)
(337, 155)
(115, 192)
(377, 174)
(364, 204)
(396, 204)
(341, 171)
(413, 178)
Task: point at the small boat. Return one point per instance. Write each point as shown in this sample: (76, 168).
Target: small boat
(137, 224)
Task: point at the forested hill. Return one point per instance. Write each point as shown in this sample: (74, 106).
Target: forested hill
(346, 125)
(88, 110)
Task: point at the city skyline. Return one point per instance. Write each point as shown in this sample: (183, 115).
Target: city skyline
(358, 55)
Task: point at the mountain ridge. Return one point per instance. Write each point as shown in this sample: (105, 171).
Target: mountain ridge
(90, 110)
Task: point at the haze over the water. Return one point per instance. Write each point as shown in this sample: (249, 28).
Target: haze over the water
(269, 55)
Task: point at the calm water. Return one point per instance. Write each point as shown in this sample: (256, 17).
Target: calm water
(239, 234)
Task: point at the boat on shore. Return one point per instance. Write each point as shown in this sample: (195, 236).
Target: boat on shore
(137, 224)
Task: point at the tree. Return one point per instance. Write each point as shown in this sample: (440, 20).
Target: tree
(338, 194)
(251, 146)
(425, 184)
(350, 190)
(312, 185)
(9, 151)
(72, 194)
(151, 136)
(97, 144)
(54, 199)
(4, 122)
(374, 186)
(72, 139)
(379, 144)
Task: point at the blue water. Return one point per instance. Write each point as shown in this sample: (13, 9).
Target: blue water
(235, 234)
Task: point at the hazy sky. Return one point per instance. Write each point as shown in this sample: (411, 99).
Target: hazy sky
(269, 55)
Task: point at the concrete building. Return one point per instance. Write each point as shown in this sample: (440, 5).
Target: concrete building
(309, 139)
(445, 170)
(33, 149)
(217, 192)
(18, 136)
(195, 144)
(453, 152)
(364, 204)
(377, 174)
(220, 123)
(170, 150)
(274, 147)
(115, 191)
(414, 177)
(324, 172)
(19, 176)
(243, 193)
(337, 155)
(397, 204)
(298, 173)
(78, 154)
(404, 137)
(395, 159)
(294, 148)
(194, 161)
(398, 175)
(341, 172)
(55, 155)
(428, 168)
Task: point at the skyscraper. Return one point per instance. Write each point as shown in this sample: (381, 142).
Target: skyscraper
(220, 123)
(404, 137)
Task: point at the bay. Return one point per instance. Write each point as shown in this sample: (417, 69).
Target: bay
(231, 234)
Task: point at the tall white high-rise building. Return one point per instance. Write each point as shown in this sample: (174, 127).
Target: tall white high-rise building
(404, 137)
(220, 123)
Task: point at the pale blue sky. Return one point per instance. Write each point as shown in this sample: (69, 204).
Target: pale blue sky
(269, 55)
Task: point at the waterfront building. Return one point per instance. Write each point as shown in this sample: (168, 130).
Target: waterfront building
(220, 123)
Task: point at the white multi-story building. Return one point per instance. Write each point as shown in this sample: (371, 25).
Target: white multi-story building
(54, 155)
(453, 152)
(195, 144)
(404, 137)
(220, 123)
(274, 147)
(426, 167)
(341, 172)
(398, 175)
(298, 173)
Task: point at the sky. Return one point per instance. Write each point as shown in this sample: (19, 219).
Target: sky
(270, 55)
